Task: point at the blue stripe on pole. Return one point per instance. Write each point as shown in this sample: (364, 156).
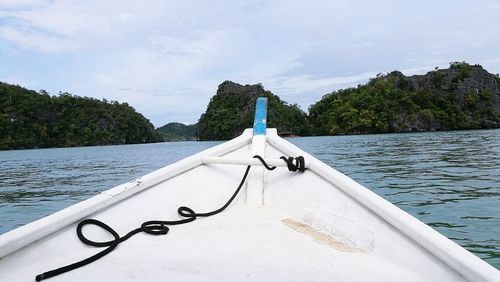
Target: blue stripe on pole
(259, 124)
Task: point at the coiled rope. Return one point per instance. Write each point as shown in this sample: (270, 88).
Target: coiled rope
(299, 165)
(155, 227)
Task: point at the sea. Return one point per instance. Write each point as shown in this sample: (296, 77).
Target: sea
(449, 180)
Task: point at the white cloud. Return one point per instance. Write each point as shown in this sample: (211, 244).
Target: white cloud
(307, 83)
(28, 38)
(21, 4)
(166, 58)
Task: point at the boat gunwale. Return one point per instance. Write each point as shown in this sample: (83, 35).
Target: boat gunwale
(455, 256)
(450, 253)
(25, 235)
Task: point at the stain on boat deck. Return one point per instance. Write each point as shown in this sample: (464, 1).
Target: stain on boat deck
(319, 237)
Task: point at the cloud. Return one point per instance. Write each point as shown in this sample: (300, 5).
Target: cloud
(166, 58)
(21, 4)
(25, 35)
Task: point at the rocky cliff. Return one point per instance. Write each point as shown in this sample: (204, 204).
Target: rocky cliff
(232, 109)
(462, 96)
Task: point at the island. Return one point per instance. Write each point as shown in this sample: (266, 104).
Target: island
(30, 119)
(462, 96)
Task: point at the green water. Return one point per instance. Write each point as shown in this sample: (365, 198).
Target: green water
(449, 180)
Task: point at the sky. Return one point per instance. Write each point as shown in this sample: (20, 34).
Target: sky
(166, 58)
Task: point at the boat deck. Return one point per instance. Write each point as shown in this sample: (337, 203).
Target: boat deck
(242, 244)
(283, 226)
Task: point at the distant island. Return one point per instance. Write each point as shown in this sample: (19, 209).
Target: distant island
(462, 96)
(176, 131)
(232, 109)
(30, 119)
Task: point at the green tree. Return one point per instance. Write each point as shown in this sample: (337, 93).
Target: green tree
(37, 120)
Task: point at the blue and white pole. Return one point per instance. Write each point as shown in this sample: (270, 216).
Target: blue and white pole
(259, 123)
(255, 184)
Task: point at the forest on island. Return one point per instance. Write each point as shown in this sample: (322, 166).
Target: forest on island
(232, 110)
(175, 131)
(30, 119)
(462, 96)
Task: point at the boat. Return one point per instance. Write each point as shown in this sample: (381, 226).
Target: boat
(255, 208)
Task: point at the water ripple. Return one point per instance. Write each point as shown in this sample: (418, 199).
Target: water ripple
(36, 183)
(449, 180)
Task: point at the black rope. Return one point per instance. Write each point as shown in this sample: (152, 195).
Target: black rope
(299, 163)
(154, 227)
(264, 163)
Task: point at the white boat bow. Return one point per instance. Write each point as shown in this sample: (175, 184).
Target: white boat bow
(318, 225)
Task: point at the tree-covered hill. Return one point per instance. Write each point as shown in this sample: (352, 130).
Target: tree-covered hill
(232, 109)
(29, 119)
(461, 97)
(175, 131)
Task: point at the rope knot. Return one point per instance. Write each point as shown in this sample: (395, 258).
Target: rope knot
(298, 165)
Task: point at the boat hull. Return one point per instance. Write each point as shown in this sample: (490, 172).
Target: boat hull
(318, 225)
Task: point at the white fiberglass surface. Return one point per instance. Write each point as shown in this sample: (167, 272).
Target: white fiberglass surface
(306, 230)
